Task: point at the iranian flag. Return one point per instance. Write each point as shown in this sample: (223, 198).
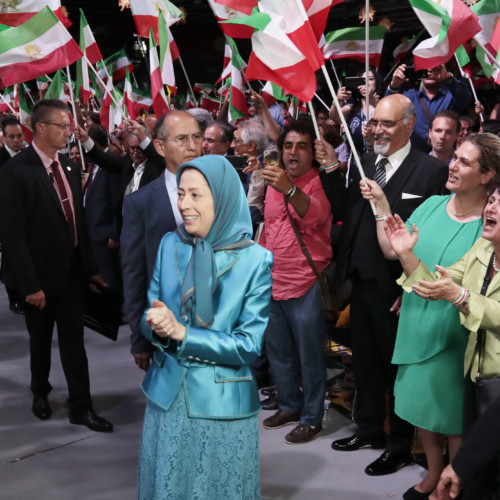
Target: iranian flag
(142, 98)
(209, 103)
(350, 43)
(41, 45)
(160, 103)
(15, 13)
(110, 116)
(450, 23)
(495, 44)
(275, 58)
(145, 13)
(317, 12)
(224, 13)
(272, 93)
(6, 99)
(237, 101)
(404, 48)
(116, 65)
(488, 13)
(128, 98)
(87, 41)
(166, 60)
(24, 116)
(56, 88)
(231, 57)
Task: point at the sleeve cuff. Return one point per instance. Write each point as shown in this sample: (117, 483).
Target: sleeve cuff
(88, 144)
(145, 143)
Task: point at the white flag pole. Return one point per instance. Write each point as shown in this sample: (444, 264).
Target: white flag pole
(72, 98)
(464, 75)
(8, 103)
(321, 101)
(367, 59)
(313, 117)
(335, 73)
(188, 82)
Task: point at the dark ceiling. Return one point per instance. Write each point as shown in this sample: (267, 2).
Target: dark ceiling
(201, 43)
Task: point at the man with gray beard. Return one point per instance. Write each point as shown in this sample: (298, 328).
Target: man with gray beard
(408, 177)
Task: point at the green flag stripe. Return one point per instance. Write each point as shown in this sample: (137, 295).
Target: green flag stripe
(376, 32)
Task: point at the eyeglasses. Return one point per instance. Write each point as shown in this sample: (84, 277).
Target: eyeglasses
(63, 126)
(184, 140)
(238, 141)
(384, 124)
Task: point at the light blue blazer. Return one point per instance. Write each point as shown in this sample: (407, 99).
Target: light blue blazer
(212, 365)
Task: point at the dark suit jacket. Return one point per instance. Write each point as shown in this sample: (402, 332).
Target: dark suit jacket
(33, 229)
(417, 178)
(4, 156)
(147, 217)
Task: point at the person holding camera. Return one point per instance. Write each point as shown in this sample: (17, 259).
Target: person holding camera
(353, 102)
(440, 91)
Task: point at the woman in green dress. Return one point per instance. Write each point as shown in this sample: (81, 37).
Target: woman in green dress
(430, 342)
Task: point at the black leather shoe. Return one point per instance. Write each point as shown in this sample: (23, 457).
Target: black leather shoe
(355, 443)
(271, 402)
(413, 494)
(387, 463)
(92, 421)
(267, 391)
(16, 307)
(41, 408)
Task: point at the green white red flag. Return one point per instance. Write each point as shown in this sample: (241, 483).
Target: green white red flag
(24, 115)
(166, 59)
(145, 14)
(350, 43)
(116, 64)
(405, 48)
(317, 12)
(231, 54)
(450, 23)
(87, 41)
(225, 13)
(56, 88)
(272, 93)
(15, 13)
(8, 98)
(40, 46)
(160, 103)
(128, 98)
(488, 13)
(142, 98)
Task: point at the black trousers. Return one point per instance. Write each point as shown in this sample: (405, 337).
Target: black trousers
(66, 312)
(374, 330)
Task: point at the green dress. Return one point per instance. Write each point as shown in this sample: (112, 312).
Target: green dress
(430, 342)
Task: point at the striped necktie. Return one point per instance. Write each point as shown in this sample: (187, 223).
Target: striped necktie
(380, 174)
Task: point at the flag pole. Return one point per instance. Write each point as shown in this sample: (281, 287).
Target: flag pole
(464, 75)
(238, 66)
(8, 103)
(72, 98)
(491, 56)
(321, 101)
(29, 93)
(335, 73)
(187, 80)
(313, 118)
(367, 58)
(105, 88)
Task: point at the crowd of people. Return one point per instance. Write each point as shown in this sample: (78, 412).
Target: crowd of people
(214, 236)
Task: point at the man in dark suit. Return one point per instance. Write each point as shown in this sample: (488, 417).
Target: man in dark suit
(43, 237)
(408, 177)
(150, 213)
(100, 197)
(14, 141)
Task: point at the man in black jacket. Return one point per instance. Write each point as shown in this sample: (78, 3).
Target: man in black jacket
(48, 260)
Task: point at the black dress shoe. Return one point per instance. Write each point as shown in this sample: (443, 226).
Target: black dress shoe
(271, 402)
(16, 307)
(267, 391)
(355, 443)
(387, 463)
(413, 494)
(92, 421)
(41, 408)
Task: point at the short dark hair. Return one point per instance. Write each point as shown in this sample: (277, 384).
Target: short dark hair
(489, 149)
(43, 109)
(158, 130)
(99, 135)
(227, 130)
(299, 126)
(9, 120)
(447, 113)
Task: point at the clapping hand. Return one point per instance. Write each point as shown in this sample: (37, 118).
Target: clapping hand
(442, 289)
(401, 240)
(162, 321)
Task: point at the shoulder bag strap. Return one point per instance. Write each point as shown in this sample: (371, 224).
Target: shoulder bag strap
(481, 334)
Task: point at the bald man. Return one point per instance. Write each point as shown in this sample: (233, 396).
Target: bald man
(148, 214)
(408, 177)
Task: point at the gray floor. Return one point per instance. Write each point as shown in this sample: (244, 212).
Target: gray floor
(60, 461)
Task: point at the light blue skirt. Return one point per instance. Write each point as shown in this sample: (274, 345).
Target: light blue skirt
(185, 458)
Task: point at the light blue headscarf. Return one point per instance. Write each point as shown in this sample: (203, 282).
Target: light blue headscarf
(231, 229)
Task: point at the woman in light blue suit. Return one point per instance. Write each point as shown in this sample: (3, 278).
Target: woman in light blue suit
(209, 300)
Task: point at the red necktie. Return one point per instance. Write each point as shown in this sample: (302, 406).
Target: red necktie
(66, 204)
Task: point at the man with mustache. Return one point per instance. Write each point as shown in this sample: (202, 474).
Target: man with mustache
(407, 176)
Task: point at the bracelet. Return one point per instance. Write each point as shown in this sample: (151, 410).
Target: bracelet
(291, 192)
(462, 299)
(382, 217)
(330, 168)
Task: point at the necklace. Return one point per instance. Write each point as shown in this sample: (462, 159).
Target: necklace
(465, 213)
(497, 269)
